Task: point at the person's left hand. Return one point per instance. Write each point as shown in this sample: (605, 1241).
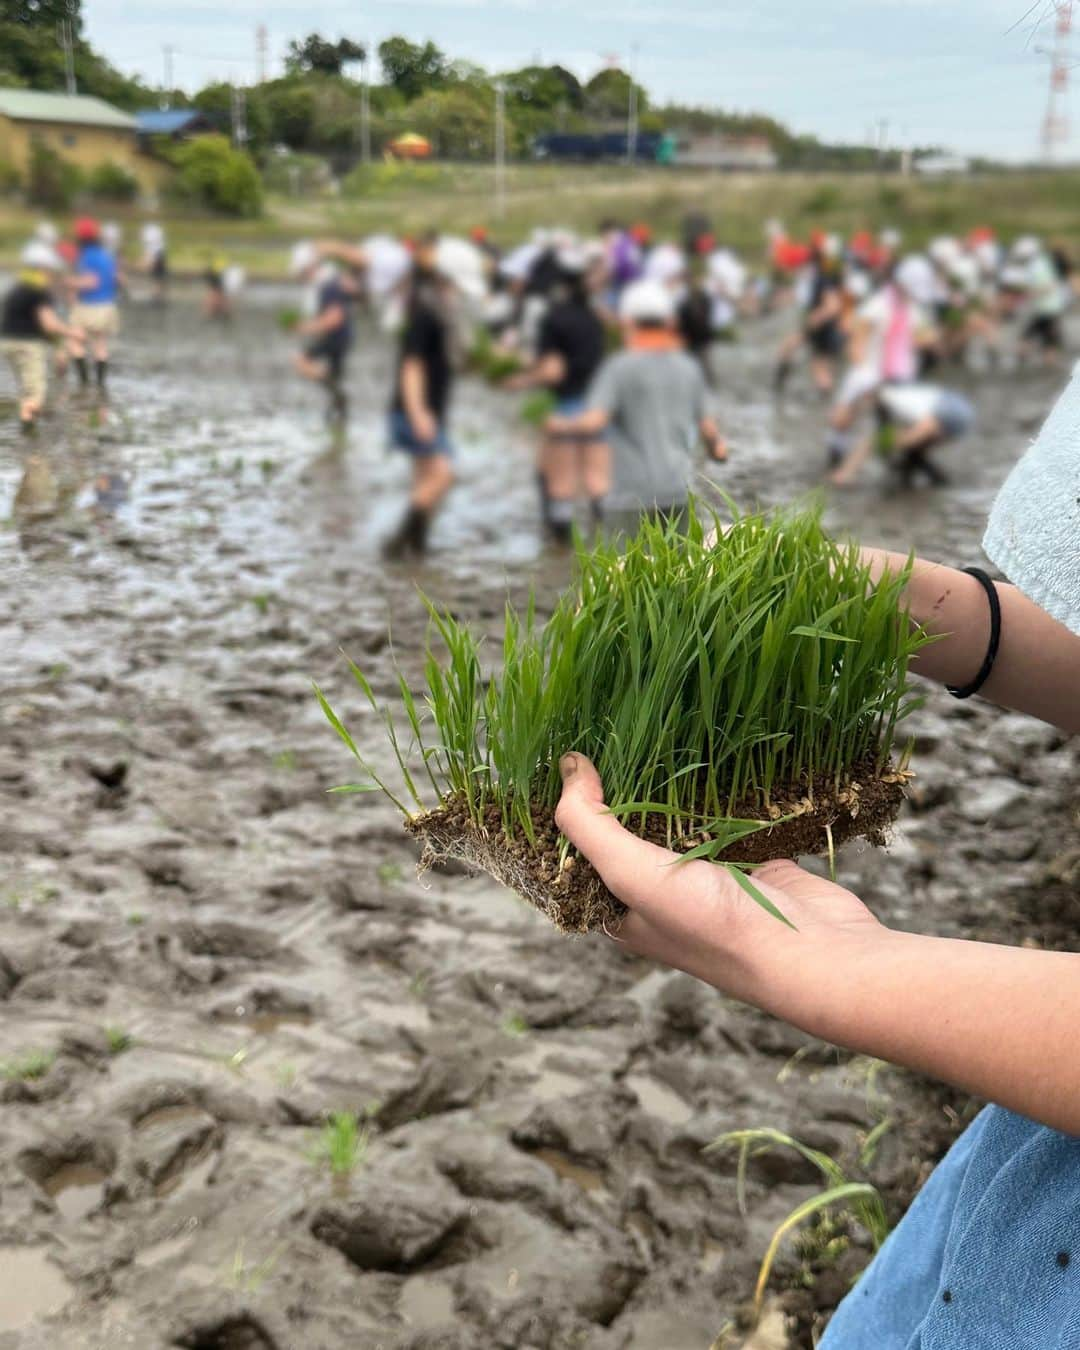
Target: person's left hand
(695, 917)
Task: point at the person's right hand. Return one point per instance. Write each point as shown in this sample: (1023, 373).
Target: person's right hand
(695, 917)
(424, 427)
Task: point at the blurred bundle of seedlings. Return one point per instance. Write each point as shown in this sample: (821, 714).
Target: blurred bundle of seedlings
(738, 687)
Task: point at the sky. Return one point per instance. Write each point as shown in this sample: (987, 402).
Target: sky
(944, 72)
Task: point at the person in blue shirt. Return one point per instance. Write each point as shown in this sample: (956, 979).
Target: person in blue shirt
(988, 1257)
(327, 328)
(96, 285)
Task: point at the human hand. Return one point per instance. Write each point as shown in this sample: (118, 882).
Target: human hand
(424, 426)
(695, 917)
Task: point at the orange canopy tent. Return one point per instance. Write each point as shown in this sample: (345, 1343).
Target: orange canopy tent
(410, 146)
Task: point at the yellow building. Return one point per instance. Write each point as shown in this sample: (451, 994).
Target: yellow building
(88, 132)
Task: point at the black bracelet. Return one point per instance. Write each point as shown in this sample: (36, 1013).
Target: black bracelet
(987, 666)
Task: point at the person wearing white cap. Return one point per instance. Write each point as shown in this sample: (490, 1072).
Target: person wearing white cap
(448, 278)
(570, 348)
(882, 346)
(648, 401)
(154, 259)
(1047, 300)
(327, 328)
(28, 323)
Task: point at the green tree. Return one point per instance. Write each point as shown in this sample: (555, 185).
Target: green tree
(316, 53)
(43, 14)
(210, 173)
(50, 180)
(411, 67)
(544, 87)
(459, 122)
(607, 94)
(216, 101)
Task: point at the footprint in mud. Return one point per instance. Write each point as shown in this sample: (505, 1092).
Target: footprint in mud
(177, 1146)
(74, 1177)
(33, 1287)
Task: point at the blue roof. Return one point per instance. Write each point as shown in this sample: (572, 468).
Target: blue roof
(164, 121)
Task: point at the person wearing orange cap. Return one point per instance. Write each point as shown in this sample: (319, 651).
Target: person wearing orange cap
(94, 313)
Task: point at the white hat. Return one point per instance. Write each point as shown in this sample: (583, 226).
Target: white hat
(45, 232)
(647, 302)
(1026, 248)
(462, 264)
(857, 284)
(572, 258)
(915, 277)
(726, 273)
(388, 264)
(303, 257)
(891, 239)
(665, 264)
(944, 250)
(40, 257)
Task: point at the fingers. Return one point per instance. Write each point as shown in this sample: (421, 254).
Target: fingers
(639, 873)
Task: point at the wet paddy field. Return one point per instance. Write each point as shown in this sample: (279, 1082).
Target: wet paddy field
(202, 954)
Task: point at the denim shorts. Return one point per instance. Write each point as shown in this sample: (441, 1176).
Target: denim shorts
(955, 414)
(402, 437)
(571, 407)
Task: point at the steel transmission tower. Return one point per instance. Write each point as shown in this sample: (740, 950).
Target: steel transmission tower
(1055, 127)
(261, 47)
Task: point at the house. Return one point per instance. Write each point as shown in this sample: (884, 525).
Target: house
(87, 132)
(176, 124)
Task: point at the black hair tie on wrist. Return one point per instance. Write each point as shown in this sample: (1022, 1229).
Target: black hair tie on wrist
(966, 691)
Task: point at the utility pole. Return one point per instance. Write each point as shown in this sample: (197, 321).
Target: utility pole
(365, 108)
(632, 110)
(239, 117)
(261, 45)
(500, 150)
(1055, 125)
(66, 37)
(167, 88)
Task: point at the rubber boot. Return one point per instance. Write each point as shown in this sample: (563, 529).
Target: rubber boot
(560, 521)
(780, 376)
(84, 371)
(410, 538)
(101, 369)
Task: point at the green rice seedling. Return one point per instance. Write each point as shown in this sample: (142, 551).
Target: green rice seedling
(118, 1039)
(341, 1144)
(489, 361)
(738, 688)
(32, 1064)
(538, 407)
(860, 1198)
(288, 317)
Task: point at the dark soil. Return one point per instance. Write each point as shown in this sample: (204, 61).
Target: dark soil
(174, 869)
(811, 819)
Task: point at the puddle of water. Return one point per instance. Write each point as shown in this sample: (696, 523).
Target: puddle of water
(76, 1189)
(162, 1251)
(32, 1287)
(659, 1100)
(426, 1302)
(588, 1178)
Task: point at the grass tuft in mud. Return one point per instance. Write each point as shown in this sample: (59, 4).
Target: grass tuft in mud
(739, 689)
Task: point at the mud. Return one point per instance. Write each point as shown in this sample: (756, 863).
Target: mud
(174, 869)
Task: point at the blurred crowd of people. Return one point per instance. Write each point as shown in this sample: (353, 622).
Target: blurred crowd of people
(617, 337)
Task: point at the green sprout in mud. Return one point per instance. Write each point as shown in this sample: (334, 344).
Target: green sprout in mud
(704, 670)
(341, 1144)
(285, 1074)
(118, 1039)
(389, 873)
(515, 1025)
(862, 1200)
(284, 761)
(135, 919)
(261, 601)
(33, 1064)
(268, 467)
(243, 1278)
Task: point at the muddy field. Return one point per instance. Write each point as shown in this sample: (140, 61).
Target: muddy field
(202, 953)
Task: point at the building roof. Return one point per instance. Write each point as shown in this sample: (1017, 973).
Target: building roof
(30, 105)
(166, 121)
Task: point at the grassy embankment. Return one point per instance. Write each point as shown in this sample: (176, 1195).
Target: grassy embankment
(455, 197)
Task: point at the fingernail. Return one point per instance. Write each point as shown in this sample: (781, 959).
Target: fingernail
(567, 766)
